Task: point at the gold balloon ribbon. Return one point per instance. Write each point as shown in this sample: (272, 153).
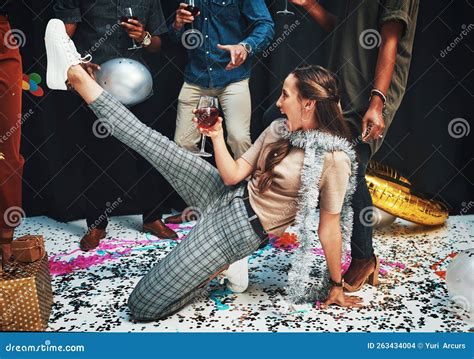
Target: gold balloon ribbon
(392, 193)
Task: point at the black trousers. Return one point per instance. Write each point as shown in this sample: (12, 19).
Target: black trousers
(361, 239)
(103, 164)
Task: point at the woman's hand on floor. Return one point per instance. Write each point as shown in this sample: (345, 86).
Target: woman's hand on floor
(337, 297)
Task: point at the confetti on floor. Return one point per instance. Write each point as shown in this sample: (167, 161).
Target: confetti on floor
(91, 289)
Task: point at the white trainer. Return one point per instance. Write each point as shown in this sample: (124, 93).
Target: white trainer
(61, 54)
(237, 276)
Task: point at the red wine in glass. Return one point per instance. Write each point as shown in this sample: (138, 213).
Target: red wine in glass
(126, 18)
(207, 116)
(127, 14)
(194, 10)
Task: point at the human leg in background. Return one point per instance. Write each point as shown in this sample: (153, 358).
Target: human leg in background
(101, 188)
(364, 263)
(186, 135)
(11, 161)
(236, 105)
(154, 192)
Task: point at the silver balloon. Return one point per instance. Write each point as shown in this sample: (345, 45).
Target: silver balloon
(460, 281)
(127, 80)
(381, 218)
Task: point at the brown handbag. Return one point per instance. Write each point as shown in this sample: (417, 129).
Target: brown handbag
(28, 249)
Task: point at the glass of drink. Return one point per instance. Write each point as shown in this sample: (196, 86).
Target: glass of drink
(285, 11)
(207, 113)
(127, 14)
(193, 9)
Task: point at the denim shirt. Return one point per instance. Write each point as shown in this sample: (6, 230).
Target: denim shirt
(98, 32)
(225, 22)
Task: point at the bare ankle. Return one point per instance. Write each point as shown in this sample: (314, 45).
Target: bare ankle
(75, 74)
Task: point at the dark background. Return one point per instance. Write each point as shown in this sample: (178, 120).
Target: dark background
(418, 145)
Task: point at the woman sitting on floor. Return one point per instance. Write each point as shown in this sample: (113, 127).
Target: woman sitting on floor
(293, 165)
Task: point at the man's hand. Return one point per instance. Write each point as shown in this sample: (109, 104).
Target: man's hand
(373, 123)
(183, 17)
(302, 3)
(90, 68)
(134, 29)
(238, 55)
(337, 297)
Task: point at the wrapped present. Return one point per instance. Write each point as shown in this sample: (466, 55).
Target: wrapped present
(26, 297)
(28, 248)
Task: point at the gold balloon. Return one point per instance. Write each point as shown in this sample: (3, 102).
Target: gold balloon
(392, 193)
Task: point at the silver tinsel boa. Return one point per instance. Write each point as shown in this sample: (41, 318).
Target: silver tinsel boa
(301, 288)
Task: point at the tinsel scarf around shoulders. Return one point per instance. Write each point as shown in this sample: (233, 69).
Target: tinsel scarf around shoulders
(315, 143)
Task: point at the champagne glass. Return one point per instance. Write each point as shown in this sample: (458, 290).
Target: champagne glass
(207, 113)
(128, 15)
(193, 9)
(285, 11)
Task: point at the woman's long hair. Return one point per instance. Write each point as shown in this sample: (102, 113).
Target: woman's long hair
(313, 83)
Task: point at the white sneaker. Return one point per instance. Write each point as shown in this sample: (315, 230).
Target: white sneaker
(237, 276)
(61, 55)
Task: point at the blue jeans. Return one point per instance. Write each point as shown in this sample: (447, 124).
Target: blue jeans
(361, 240)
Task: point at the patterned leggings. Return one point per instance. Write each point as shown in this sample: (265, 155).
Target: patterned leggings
(222, 235)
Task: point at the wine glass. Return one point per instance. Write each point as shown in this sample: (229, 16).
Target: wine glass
(207, 113)
(285, 11)
(193, 9)
(128, 15)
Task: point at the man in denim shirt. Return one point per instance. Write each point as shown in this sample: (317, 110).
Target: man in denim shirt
(96, 30)
(230, 33)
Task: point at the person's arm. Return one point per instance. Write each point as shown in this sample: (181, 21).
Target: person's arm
(333, 187)
(232, 171)
(156, 26)
(261, 24)
(69, 12)
(318, 13)
(329, 233)
(262, 31)
(155, 45)
(71, 29)
(373, 124)
(136, 31)
(177, 25)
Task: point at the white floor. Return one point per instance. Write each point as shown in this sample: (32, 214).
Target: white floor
(90, 291)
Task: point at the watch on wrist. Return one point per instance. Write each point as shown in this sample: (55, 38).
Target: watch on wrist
(147, 39)
(246, 46)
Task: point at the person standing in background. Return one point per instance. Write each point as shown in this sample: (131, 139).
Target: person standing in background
(232, 32)
(11, 161)
(221, 38)
(371, 53)
(102, 30)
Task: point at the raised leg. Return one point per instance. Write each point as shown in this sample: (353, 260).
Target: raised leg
(195, 180)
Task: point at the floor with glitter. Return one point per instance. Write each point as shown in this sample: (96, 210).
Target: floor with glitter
(91, 289)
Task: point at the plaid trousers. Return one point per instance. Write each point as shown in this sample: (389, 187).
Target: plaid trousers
(221, 236)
